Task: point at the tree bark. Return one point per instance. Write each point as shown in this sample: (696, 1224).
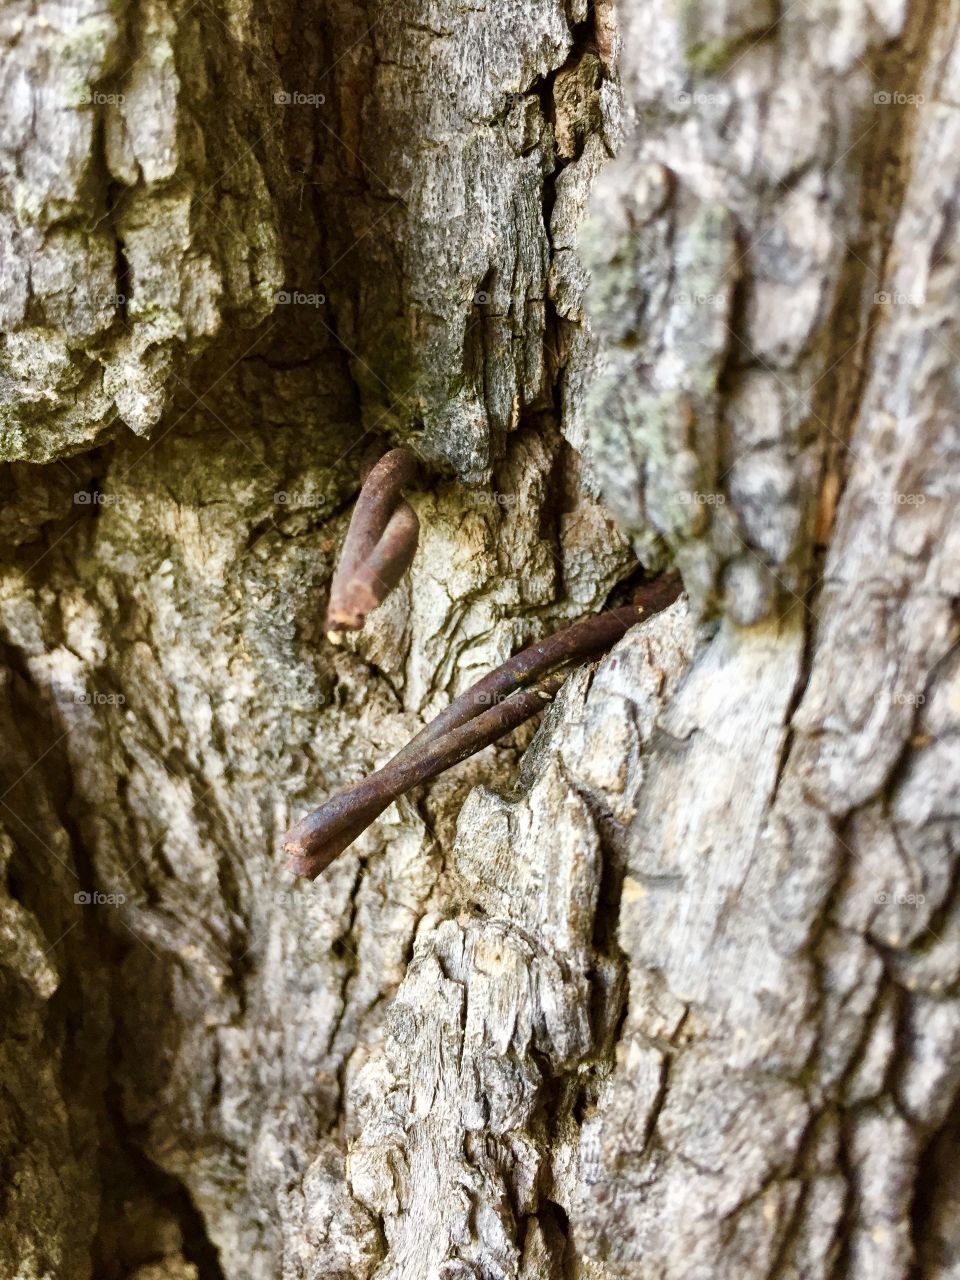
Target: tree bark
(665, 987)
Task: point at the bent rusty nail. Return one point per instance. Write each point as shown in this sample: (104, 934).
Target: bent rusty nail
(580, 641)
(377, 576)
(487, 710)
(314, 842)
(375, 539)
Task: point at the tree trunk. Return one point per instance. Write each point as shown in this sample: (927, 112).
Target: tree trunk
(666, 988)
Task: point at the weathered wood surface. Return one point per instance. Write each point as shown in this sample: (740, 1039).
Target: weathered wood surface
(674, 997)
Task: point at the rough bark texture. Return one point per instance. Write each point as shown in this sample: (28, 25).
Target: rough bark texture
(672, 995)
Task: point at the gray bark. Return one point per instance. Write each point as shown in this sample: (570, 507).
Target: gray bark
(664, 988)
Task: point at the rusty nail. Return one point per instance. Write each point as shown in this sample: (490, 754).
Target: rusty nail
(380, 544)
(490, 708)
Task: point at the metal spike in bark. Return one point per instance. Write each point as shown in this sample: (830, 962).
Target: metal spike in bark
(380, 544)
(492, 707)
